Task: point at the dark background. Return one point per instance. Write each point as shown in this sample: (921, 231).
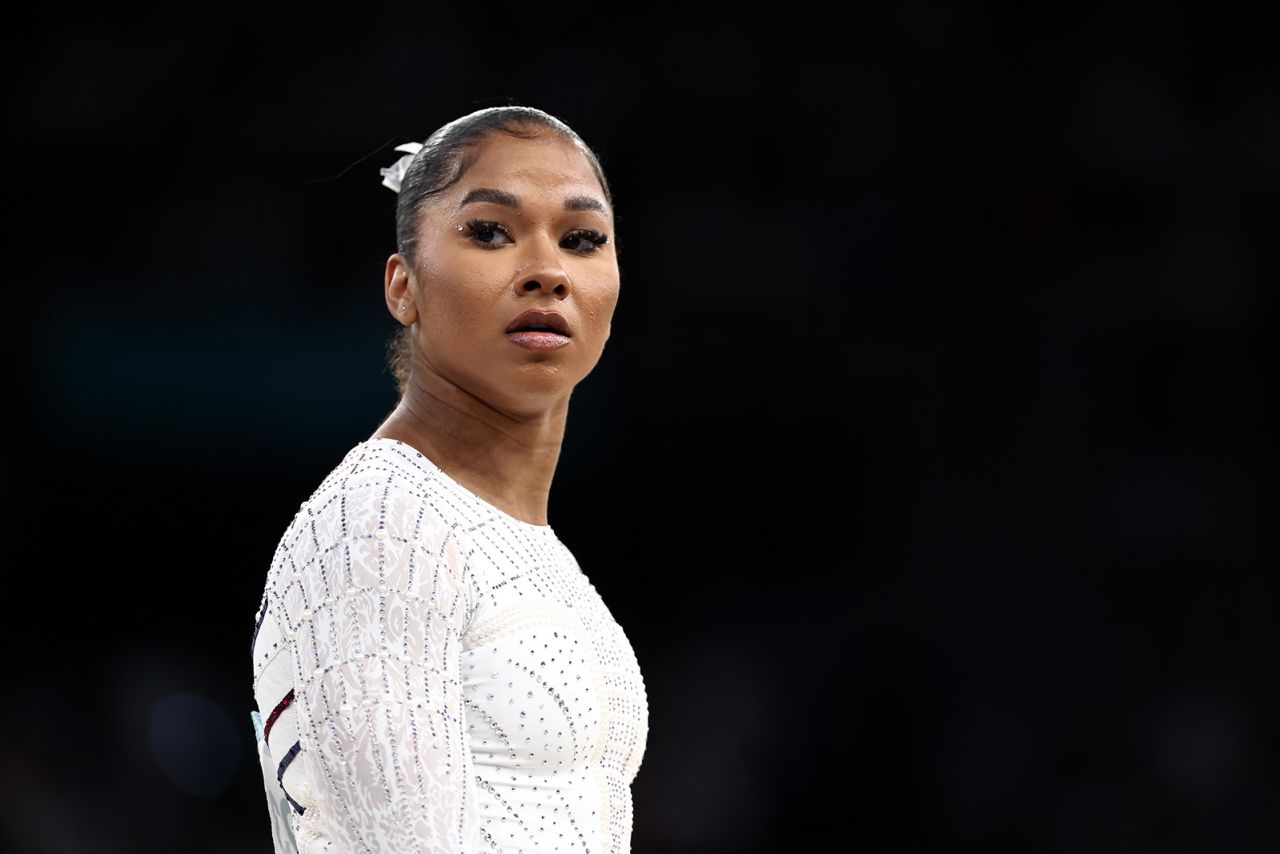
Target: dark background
(924, 468)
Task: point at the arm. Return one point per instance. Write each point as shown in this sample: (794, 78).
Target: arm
(379, 688)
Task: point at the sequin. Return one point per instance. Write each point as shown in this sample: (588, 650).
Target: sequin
(394, 576)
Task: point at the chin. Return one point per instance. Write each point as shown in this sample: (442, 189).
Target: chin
(540, 385)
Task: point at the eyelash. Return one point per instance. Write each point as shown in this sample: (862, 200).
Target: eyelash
(482, 225)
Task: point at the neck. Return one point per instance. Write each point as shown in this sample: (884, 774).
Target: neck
(507, 459)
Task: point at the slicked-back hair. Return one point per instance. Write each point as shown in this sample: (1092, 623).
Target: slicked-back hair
(444, 158)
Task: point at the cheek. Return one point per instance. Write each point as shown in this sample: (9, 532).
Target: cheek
(604, 304)
(459, 301)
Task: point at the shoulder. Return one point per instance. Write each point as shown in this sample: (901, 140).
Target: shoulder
(380, 508)
(370, 534)
(379, 486)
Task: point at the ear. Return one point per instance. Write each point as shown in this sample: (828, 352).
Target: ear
(399, 288)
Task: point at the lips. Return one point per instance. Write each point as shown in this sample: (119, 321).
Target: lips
(540, 321)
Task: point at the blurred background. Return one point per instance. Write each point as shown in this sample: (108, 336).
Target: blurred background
(924, 469)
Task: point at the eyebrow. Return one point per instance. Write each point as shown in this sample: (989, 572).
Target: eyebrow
(502, 197)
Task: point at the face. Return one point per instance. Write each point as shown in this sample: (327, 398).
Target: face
(544, 241)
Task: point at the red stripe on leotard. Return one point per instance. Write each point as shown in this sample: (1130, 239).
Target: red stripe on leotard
(279, 709)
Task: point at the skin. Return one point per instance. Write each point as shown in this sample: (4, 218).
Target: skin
(489, 413)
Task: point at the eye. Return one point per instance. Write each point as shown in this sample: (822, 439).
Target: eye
(483, 231)
(586, 240)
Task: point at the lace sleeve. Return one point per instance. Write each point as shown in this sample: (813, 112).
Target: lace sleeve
(379, 688)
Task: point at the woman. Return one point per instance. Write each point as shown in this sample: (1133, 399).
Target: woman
(432, 670)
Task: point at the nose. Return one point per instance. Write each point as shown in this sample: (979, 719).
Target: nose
(543, 274)
(550, 281)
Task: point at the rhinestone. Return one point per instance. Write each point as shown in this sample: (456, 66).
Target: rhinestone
(376, 650)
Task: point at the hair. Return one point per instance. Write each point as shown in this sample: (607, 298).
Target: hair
(444, 158)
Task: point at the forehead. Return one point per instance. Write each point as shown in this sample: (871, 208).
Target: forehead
(547, 163)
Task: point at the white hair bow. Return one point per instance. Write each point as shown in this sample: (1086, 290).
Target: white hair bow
(394, 174)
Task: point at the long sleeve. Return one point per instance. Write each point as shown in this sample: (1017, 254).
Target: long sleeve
(382, 603)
